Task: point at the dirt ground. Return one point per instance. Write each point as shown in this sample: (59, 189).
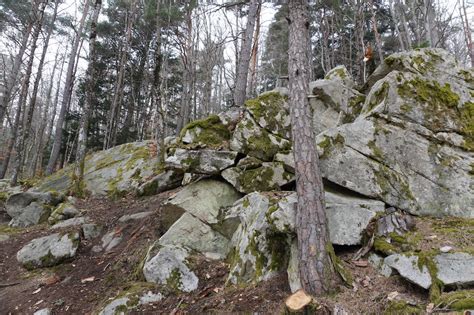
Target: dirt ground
(87, 283)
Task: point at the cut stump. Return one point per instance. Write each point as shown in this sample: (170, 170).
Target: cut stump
(300, 302)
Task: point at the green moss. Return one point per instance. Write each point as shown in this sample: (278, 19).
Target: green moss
(398, 307)
(467, 123)
(246, 203)
(142, 153)
(339, 72)
(328, 144)
(356, 104)
(4, 195)
(343, 272)
(377, 152)
(260, 259)
(271, 108)
(174, 280)
(378, 96)
(209, 132)
(457, 301)
(383, 246)
(259, 179)
(5, 229)
(113, 192)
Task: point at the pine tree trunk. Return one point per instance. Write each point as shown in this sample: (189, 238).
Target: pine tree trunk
(245, 54)
(91, 76)
(68, 87)
(316, 270)
(112, 124)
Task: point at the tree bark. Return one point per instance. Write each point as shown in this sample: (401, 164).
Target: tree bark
(91, 76)
(317, 273)
(68, 87)
(244, 58)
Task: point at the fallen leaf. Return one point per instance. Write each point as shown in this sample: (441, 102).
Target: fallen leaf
(392, 295)
(90, 279)
(360, 263)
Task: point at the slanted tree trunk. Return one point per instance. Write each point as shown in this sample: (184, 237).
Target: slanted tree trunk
(467, 31)
(15, 71)
(254, 58)
(316, 270)
(378, 40)
(91, 77)
(24, 92)
(68, 87)
(245, 54)
(25, 131)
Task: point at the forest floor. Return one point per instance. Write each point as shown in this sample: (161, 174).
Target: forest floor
(91, 280)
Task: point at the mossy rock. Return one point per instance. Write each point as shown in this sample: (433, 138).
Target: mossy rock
(270, 110)
(209, 132)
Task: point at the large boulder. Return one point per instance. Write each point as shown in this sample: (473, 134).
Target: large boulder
(64, 211)
(261, 243)
(451, 269)
(201, 161)
(411, 146)
(251, 139)
(269, 176)
(164, 181)
(333, 100)
(207, 200)
(30, 208)
(113, 172)
(169, 266)
(49, 250)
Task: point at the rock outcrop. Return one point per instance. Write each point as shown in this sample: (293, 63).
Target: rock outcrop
(49, 250)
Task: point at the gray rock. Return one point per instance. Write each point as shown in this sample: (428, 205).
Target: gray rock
(91, 230)
(111, 239)
(113, 172)
(268, 227)
(201, 161)
(49, 250)
(168, 265)
(288, 161)
(44, 311)
(150, 297)
(70, 222)
(64, 211)
(4, 237)
(251, 139)
(412, 152)
(407, 267)
(455, 269)
(293, 269)
(115, 307)
(334, 104)
(205, 199)
(30, 208)
(269, 176)
(135, 216)
(340, 74)
(191, 232)
(378, 263)
(164, 181)
(271, 111)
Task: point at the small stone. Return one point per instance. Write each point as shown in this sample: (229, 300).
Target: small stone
(44, 311)
(135, 216)
(445, 249)
(91, 230)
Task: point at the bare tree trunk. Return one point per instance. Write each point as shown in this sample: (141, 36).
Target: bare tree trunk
(254, 58)
(315, 267)
(25, 131)
(378, 41)
(244, 59)
(467, 31)
(44, 123)
(15, 71)
(67, 93)
(24, 91)
(112, 125)
(91, 77)
(187, 58)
